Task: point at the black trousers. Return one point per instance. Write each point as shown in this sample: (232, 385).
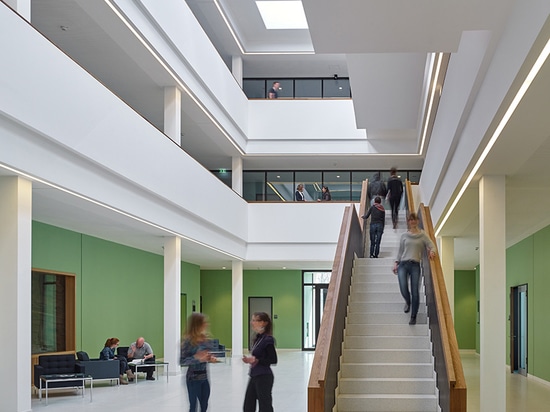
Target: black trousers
(259, 388)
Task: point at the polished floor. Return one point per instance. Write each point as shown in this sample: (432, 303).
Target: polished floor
(229, 380)
(522, 393)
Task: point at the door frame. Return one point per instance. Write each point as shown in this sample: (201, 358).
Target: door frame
(515, 325)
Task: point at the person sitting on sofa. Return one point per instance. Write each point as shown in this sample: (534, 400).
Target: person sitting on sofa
(108, 353)
(142, 350)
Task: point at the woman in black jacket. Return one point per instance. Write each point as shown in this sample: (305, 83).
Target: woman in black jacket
(262, 356)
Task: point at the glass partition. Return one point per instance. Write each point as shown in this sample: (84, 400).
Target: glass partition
(308, 88)
(312, 182)
(299, 88)
(280, 186)
(254, 186)
(338, 184)
(336, 88)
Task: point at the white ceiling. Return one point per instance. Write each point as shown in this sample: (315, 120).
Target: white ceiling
(382, 46)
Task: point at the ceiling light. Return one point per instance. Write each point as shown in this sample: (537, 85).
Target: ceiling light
(282, 14)
(223, 267)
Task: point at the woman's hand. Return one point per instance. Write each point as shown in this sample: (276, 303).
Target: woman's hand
(249, 359)
(395, 265)
(203, 356)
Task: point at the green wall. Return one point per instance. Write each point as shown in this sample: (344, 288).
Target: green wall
(465, 309)
(284, 286)
(526, 263)
(119, 289)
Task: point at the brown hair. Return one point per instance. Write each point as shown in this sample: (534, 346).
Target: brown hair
(264, 317)
(194, 331)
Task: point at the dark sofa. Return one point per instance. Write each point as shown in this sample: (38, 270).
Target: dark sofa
(99, 369)
(57, 364)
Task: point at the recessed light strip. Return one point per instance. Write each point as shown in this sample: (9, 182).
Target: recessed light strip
(173, 75)
(120, 212)
(496, 134)
(439, 59)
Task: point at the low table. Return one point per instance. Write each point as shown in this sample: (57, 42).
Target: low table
(79, 379)
(222, 354)
(156, 364)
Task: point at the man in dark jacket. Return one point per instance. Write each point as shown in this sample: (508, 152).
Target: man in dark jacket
(377, 218)
(376, 188)
(395, 189)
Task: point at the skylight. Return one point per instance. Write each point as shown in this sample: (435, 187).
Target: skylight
(282, 14)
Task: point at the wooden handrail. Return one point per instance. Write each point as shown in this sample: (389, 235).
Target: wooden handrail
(450, 374)
(363, 204)
(325, 366)
(456, 382)
(409, 197)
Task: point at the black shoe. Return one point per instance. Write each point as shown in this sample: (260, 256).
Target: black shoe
(407, 308)
(150, 378)
(413, 320)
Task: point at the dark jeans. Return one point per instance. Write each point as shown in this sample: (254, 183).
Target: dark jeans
(198, 390)
(410, 269)
(376, 230)
(259, 388)
(394, 204)
(123, 364)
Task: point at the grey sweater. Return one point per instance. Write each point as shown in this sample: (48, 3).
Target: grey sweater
(412, 245)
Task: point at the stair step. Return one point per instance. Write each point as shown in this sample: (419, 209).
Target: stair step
(390, 307)
(384, 403)
(386, 355)
(380, 297)
(386, 370)
(424, 386)
(386, 276)
(386, 342)
(385, 318)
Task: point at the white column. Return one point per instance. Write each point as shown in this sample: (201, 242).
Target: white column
(172, 296)
(447, 256)
(237, 309)
(237, 69)
(492, 289)
(172, 113)
(15, 292)
(23, 7)
(237, 175)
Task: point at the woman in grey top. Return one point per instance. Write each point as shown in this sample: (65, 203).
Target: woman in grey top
(412, 244)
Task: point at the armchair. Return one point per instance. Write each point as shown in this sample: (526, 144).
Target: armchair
(218, 350)
(56, 364)
(99, 369)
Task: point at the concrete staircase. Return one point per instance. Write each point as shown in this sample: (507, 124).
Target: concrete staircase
(386, 365)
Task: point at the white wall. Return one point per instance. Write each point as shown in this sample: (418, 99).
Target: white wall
(498, 60)
(294, 231)
(60, 124)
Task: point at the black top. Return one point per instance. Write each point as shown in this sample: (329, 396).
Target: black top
(395, 187)
(377, 212)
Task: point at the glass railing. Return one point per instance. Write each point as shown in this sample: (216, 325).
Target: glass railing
(302, 88)
(280, 186)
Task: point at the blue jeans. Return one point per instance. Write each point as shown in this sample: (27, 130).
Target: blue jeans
(198, 389)
(406, 269)
(376, 230)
